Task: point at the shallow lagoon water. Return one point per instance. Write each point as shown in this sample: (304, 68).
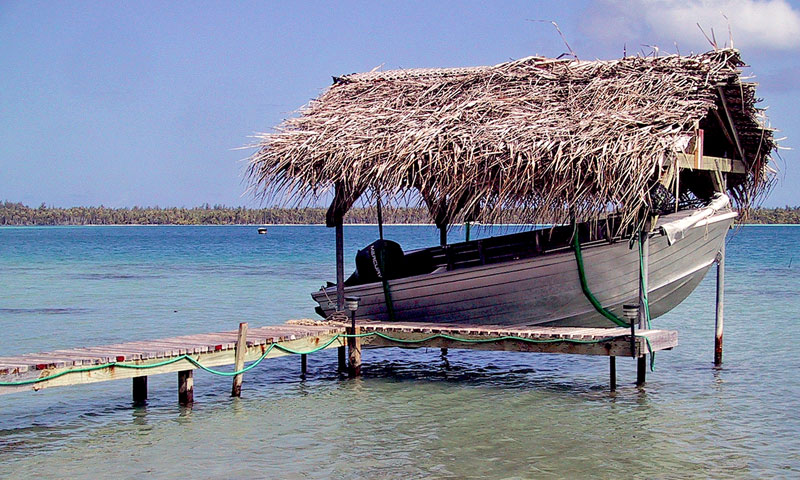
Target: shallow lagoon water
(412, 415)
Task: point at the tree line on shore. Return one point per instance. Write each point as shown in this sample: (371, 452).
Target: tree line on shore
(19, 214)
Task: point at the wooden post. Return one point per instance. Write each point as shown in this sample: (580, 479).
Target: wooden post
(612, 373)
(185, 387)
(720, 304)
(140, 390)
(641, 370)
(354, 344)
(241, 351)
(342, 361)
(444, 352)
(303, 365)
(339, 265)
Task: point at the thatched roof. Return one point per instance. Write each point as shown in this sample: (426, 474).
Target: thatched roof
(549, 139)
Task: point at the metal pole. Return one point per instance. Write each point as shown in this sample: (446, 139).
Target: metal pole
(633, 339)
(644, 238)
(380, 217)
(644, 270)
(631, 313)
(720, 304)
(613, 373)
(339, 265)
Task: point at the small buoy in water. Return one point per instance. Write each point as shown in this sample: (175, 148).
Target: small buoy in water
(262, 230)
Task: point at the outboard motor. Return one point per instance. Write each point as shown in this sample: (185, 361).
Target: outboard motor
(382, 259)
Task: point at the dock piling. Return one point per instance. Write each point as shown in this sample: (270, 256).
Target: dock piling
(140, 390)
(354, 344)
(342, 359)
(185, 387)
(720, 305)
(641, 370)
(612, 373)
(303, 365)
(241, 351)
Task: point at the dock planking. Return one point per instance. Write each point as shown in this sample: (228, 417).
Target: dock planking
(217, 349)
(209, 349)
(618, 342)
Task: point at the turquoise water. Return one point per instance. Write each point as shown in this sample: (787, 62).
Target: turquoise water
(485, 415)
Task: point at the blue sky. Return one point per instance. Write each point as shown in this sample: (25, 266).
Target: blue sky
(145, 103)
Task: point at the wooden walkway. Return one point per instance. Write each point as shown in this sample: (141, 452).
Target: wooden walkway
(209, 349)
(216, 349)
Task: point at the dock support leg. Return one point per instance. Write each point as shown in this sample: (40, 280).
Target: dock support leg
(354, 343)
(444, 352)
(641, 370)
(342, 361)
(720, 304)
(339, 265)
(140, 390)
(185, 387)
(612, 371)
(241, 351)
(303, 365)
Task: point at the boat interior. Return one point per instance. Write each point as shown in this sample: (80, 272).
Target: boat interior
(386, 259)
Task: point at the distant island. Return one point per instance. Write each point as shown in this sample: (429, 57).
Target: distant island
(19, 214)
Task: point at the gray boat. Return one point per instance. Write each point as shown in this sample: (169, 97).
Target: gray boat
(532, 278)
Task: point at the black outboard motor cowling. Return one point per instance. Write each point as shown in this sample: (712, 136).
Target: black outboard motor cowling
(382, 259)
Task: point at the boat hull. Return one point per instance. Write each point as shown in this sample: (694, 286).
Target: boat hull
(545, 290)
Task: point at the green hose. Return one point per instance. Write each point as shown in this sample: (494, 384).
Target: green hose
(588, 293)
(596, 303)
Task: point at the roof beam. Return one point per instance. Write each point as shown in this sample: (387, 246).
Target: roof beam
(686, 161)
(730, 122)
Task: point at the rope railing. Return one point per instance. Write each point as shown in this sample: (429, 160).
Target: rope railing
(288, 350)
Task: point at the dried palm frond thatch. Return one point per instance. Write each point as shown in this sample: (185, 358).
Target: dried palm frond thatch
(545, 139)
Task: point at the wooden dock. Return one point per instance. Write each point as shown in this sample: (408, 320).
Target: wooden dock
(138, 359)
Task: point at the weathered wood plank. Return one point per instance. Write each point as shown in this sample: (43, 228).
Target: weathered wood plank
(686, 161)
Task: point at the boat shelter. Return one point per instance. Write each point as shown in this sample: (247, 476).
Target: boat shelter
(534, 140)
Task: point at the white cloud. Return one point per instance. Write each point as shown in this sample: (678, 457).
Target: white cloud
(770, 24)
